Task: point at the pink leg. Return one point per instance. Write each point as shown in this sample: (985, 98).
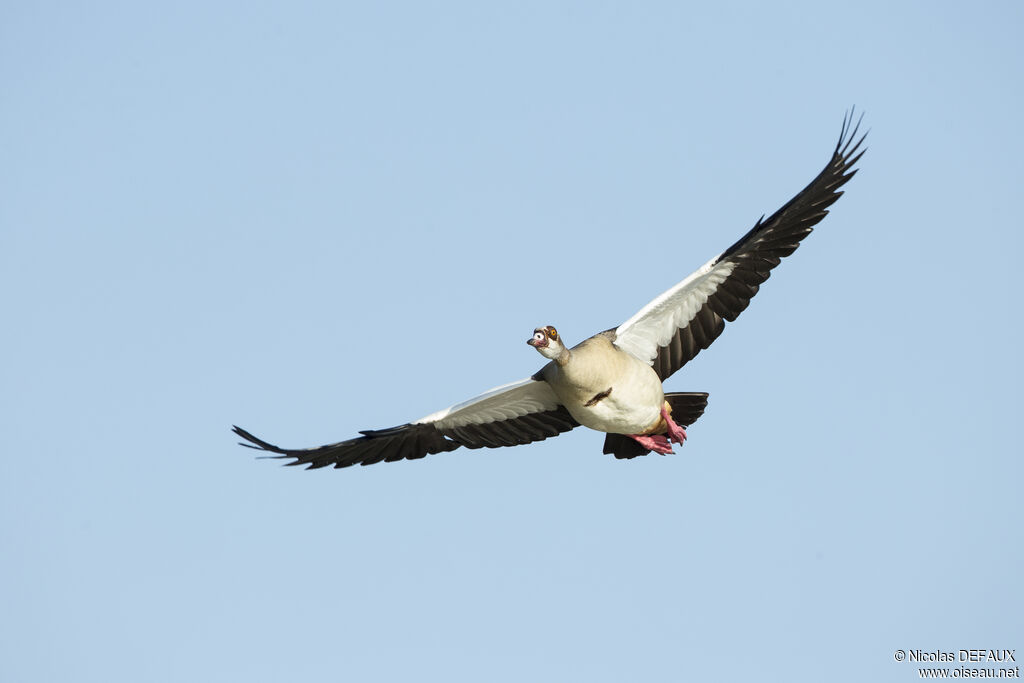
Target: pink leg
(655, 442)
(675, 432)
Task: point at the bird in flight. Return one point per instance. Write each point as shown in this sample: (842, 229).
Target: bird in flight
(611, 382)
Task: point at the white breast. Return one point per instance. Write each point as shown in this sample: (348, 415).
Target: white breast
(633, 407)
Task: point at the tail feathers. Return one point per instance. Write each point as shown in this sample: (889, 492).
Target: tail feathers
(622, 446)
(687, 407)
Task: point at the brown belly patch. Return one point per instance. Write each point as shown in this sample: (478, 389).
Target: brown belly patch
(598, 398)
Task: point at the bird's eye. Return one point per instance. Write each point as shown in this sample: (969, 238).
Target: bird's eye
(539, 336)
(552, 333)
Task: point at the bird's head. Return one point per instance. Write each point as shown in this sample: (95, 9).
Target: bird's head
(546, 341)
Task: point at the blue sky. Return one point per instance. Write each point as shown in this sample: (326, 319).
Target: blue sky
(313, 218)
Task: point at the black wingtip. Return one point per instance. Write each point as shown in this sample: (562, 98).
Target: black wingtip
(255, 442)
(848, 133)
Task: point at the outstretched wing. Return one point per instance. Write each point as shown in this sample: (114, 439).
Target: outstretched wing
(509, 415)
(669, 331)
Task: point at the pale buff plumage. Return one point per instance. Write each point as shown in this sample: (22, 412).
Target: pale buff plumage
(582, 374)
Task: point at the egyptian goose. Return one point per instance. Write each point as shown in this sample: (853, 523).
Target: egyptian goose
(611, 382)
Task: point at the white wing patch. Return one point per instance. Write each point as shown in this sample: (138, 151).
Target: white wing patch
(656, 323)
(506, 402)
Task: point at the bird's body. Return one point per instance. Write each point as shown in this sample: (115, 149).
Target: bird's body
(612, 381)
(607, 389)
